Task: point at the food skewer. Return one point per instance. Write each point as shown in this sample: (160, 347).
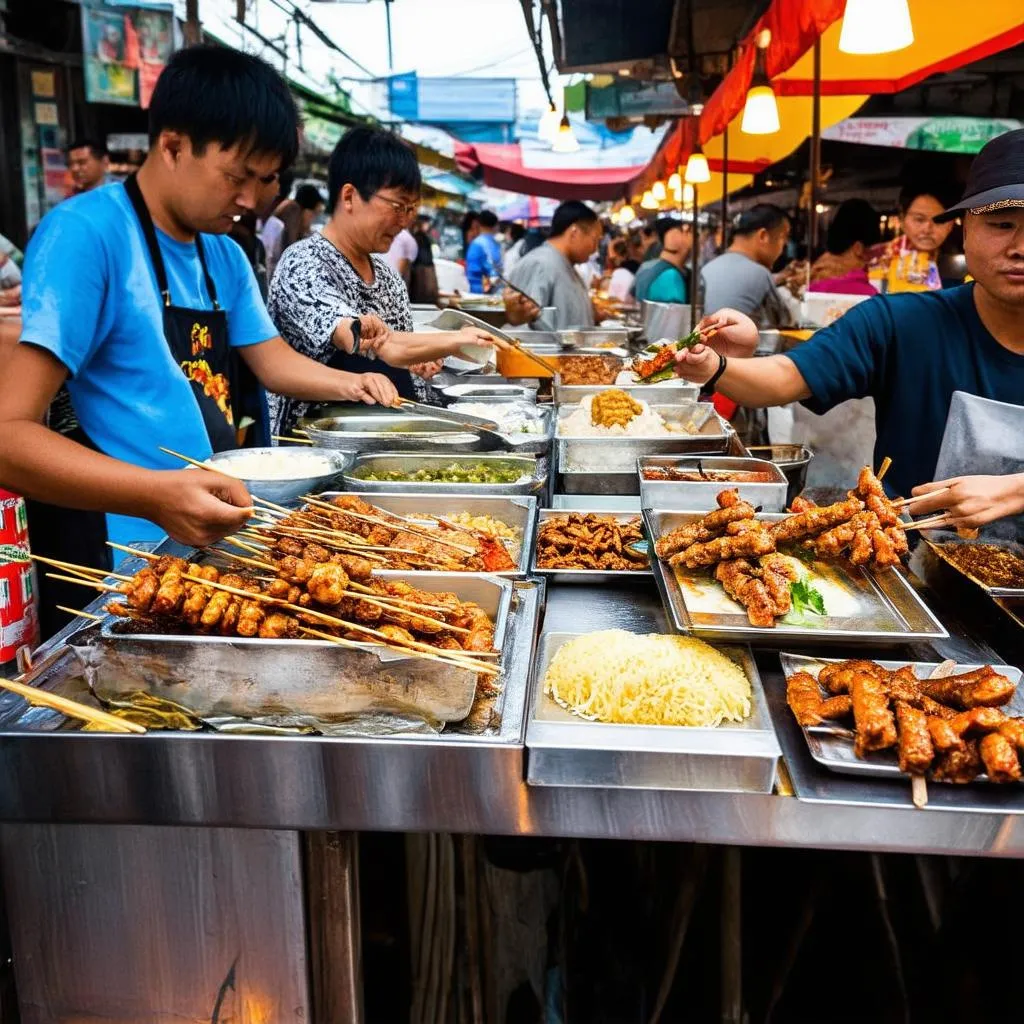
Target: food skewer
(79, 613)
(292, 440)
(82, 581)
(884, 467)
(71, 708)
(904, 502)
(932, 523)
(148, 555)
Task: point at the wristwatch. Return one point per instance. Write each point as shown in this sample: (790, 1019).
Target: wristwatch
(709, 387)
(357, 335)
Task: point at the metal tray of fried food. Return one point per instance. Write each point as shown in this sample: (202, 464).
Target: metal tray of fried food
(591, 576)
(940, 540)
(697, 429)
(249, 678)
(769, 495)
(517, 513)
(532, 479)
(676, 390)
(565, 750)
(361, 431)
(834, 750)
(868, 607)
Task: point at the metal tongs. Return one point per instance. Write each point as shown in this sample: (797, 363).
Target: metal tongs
(487, 430)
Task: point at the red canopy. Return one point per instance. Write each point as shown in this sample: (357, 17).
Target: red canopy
(502, 167)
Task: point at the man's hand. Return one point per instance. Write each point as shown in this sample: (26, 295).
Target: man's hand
(375, 334)
(973, 501)
(197, 507)
(519, 309)
(697, 365)
(426, 371)
(730, 332)
(370, 388)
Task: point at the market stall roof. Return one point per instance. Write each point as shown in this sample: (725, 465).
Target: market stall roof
(501, 166)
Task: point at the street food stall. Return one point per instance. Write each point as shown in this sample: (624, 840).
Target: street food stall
(631, 630)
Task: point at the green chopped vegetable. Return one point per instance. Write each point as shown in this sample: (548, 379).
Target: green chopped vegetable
(806, 598)
(457, 473)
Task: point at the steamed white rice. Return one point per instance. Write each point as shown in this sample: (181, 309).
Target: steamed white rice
(646, 424)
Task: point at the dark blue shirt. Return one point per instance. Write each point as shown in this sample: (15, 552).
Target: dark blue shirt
(909, 352)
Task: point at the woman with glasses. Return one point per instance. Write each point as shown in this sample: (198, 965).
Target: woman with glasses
(335, 299)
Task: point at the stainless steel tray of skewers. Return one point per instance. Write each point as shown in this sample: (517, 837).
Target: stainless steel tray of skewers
(565, 750)
(832, 746)
(863, 606)
(531, 473)
(519, 514)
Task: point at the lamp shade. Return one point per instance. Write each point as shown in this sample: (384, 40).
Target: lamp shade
(697, 170)
(658, 191)
(876, 26)
(627, 214)
(565, 138)
(547, 127)
(649, 202)
(674, 182)
(761, 112)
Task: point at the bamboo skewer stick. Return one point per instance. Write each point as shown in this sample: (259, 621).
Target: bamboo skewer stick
(244, 560)
(71, 708)
(407, 528)
(85, 571)
(362, 646)
(934, 523)
(81, 581)
(904, 502)
(79, 613)
(884, 467)
(148, 555)
(332, 620)
(251, 548)
(292, 440)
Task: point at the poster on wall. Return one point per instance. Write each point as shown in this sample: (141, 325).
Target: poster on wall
(125, 48)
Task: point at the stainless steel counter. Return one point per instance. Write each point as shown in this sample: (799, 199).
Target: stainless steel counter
(476, 785)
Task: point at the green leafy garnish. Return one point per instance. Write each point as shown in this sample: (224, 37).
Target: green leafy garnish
(806, 598)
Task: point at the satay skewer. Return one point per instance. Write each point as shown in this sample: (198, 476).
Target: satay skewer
(933, 523)
(334, 621)
(78, 613)
(904, 502)
(71, 708)
(83, 582)
(292, 440)
(148, 555)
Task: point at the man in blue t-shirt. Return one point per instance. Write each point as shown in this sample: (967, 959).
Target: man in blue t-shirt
(665, 278)
(483, 257)
(910, 352)
(222, 125)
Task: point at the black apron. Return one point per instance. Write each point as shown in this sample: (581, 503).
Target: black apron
(198, 340)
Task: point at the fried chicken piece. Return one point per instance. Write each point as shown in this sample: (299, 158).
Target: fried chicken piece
(167, 562)
(869, 485)
(943, 736)
(977, 721)
(815, 520)
(295, 569)
(836, 707)
(874, 722)
(142, 589)
(999, 758)
(760, 542)
(882, 509)
(289, 546)
(982, 688)
(229, 620)
(740, 581)
(707, 527)
(397, 634)
(278, 588)
(898, 539)
(327, 584)
(196, 599)
(837, 677)
(170, 594)
(916, 751)
(358, 569)
(802, 504)
(778, 574)
(316, 553)
(884, 556)
(960, 766)
(352, 607)
(804, 698)
(1013, 730)
(277, 626)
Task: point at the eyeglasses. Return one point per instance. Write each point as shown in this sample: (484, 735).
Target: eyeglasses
(402, 209)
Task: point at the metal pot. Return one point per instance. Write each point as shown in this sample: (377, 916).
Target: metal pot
(666, 320)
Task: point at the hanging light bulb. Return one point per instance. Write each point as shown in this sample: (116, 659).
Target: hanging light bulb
(547, 127)
(674, 182)
(649, 202)
(688, 194)
(697, 170)
(876, 26)
(627, 215)
(761, 111)
(658, 191)
(565, 138)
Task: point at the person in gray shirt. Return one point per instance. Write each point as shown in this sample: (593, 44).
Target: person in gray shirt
(741, 278)
(548, 273)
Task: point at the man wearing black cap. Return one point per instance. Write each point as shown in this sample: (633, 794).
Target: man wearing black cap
(911, 352)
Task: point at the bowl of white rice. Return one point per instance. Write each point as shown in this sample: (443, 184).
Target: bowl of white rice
(285, 473)
(647, 423)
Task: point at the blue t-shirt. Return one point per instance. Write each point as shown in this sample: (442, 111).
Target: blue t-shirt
(909, 352)
(90, 298)
(483, 257)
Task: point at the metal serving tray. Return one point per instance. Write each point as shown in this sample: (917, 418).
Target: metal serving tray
(385, 431)
(836, 752)
(564, 750)
(615, 454)
(527, 444)
(518, 512)
(591, 576)
(702, 494)
(593, 337)
(213, 675)
(490, 393)
(530, 468)
(938, 538)
(884, 608)
(674, 390)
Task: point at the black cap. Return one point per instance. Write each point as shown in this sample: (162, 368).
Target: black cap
(997, 176)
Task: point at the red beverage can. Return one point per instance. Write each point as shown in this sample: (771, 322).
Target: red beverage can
(19, 615)
(13, 520)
